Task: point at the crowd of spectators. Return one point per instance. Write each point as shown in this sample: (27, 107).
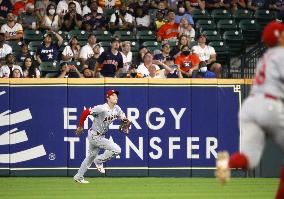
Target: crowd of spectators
(171, 21)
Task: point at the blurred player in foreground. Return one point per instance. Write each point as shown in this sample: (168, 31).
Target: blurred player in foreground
(262, 113)
(104, 115)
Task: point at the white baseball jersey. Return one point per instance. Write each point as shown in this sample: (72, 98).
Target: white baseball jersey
(143, 70)
(87, 51)
(269, 77)
(5, 50)
(17, 28)
(104, 116)
(5, 70)
(203, 53)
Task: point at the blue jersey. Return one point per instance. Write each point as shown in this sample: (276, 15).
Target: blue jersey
(50, 53)
(110, 63)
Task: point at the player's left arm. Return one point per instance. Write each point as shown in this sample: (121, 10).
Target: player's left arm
(125, 122)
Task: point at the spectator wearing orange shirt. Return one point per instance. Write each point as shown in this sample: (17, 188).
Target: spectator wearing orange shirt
(109, 3)
(187, 62)
(169, 31)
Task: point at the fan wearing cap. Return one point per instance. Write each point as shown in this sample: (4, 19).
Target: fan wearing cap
(104, 115)
(207, 54)
(110, 62)
(262, 112)
(48, 51)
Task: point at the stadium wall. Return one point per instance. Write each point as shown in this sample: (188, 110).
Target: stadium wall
(178, 125)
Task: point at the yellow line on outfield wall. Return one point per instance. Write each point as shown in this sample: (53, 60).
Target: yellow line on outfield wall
(121, 81)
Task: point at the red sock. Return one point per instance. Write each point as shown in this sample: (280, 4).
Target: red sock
(280, 192)
(238, 160)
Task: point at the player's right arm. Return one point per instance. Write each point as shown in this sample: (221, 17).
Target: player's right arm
(83, 117)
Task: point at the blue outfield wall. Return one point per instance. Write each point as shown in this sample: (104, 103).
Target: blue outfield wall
(178, 125)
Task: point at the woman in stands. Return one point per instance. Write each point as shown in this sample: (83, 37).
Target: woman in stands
(29, 69)
(51, 21)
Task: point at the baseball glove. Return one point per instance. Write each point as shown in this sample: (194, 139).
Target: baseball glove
(124, 126)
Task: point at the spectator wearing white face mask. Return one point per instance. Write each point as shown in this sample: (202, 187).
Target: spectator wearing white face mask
(181, 13)
(51, 21)
(203, 72)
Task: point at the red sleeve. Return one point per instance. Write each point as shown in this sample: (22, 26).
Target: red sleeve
(84, 115)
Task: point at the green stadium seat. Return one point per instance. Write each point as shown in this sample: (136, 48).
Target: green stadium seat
(125, 35)
(105, 44)
(242, 14)
(212, 35)
(49, 67)
(16, 45)
(33, 45)
(80, 34)
(251, 30)
(263, 17)
(235, 41)
(102, 35)
(152, 44)
(198, 14)
(135, 46)
(222, 52)
(204, 24)
(145, 35)
(226, 24)
(32, 35)
(64, 34)
(218, 14)
(192, 43)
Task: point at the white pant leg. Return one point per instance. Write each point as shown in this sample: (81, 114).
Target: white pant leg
(111, 148)
(92, 154)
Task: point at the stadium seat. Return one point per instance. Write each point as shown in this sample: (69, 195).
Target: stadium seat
(33, 45)
(192, 43)
(212, 35)
(80, 34)
(64, 34)
(125, 35)
(242, 14)
(198, 14)
(102, 35)
(218, 14)
(204, 24)
(235, 41)
(226, 24)
(145, 35)
(49, 67)
(152, 44)
(32, 35)
(222, 52)
(134, 46)
(251, 30)
(16, 45)
(264, 16)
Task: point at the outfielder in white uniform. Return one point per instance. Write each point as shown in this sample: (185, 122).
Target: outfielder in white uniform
(262, 113)
(104, 115)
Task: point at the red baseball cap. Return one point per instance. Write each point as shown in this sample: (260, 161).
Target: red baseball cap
(110, 92)
(271, 33)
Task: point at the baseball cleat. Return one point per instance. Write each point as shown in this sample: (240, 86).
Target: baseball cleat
(223, 172)
(81, 180)
(100, 168)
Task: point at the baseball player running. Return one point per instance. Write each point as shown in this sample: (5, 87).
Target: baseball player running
(104, 115)
(262, 113)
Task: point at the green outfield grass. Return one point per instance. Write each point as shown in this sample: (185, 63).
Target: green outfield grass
(136, 188)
